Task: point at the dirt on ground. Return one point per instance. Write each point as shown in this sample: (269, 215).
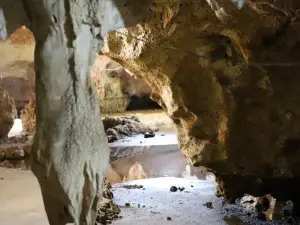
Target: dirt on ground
(118, 128)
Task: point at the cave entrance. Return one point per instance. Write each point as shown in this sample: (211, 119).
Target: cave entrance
(142, 103)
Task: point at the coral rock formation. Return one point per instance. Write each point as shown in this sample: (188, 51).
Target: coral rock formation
(227, 76)
(115, 85)
(8, 112)
(28, 116)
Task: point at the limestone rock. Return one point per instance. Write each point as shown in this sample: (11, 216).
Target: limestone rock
(118, 128)
(14, 148)
(18, 79)
(28, 116)
(115, 85)
(228, 79)
(8, 112)
(107, 209)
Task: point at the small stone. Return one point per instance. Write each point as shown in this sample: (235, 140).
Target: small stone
(173, 189)
(149, 135)
(192, 185)
(181, 189)
(139, 205)
(1, 178)
(127, 204)
(169, 218)
(144, 206)
(120, 217)
(108, 221)
(208, 205)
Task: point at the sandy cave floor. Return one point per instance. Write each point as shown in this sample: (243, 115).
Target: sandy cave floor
(21, 202)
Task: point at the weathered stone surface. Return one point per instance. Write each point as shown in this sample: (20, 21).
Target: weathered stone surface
(8, 112)
(107, 210)
(115, 85)
(118, 128)
(28, 117)
(18, 79)
(227, 78)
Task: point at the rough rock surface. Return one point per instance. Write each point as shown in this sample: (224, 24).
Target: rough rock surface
(227, 76)
(107, 209)
(18, 79)
(8, 112)
(28, 117)
(15, 148)
(118, 128)
(115, 85)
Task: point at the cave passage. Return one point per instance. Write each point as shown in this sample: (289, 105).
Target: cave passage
(142, 103)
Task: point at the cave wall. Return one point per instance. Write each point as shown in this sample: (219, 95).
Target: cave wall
(227, 76)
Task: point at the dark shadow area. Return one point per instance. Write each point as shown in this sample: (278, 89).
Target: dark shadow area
(142, 103)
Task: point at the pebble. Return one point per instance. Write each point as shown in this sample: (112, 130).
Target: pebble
(208, 205)
(173, 189)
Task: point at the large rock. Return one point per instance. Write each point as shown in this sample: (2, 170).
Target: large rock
(227, 76)
(8, 112)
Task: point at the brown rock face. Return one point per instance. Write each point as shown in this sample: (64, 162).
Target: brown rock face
(228, 79)
(28, 116)
(8, 112)
(115, 85)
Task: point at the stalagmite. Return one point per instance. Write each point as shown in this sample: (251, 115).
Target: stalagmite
(70, 152)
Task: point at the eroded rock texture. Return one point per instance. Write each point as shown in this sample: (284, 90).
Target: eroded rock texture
(227, 75)
(8, 112)
(28, 117)
(115, 85)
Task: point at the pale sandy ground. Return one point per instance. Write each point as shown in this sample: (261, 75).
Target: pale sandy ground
(21, 202)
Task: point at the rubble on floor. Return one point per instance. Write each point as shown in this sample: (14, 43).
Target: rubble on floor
(118, 128)
(107, 210)
(15, 148)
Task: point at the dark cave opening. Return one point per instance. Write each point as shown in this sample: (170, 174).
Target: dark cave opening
(142, 103)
